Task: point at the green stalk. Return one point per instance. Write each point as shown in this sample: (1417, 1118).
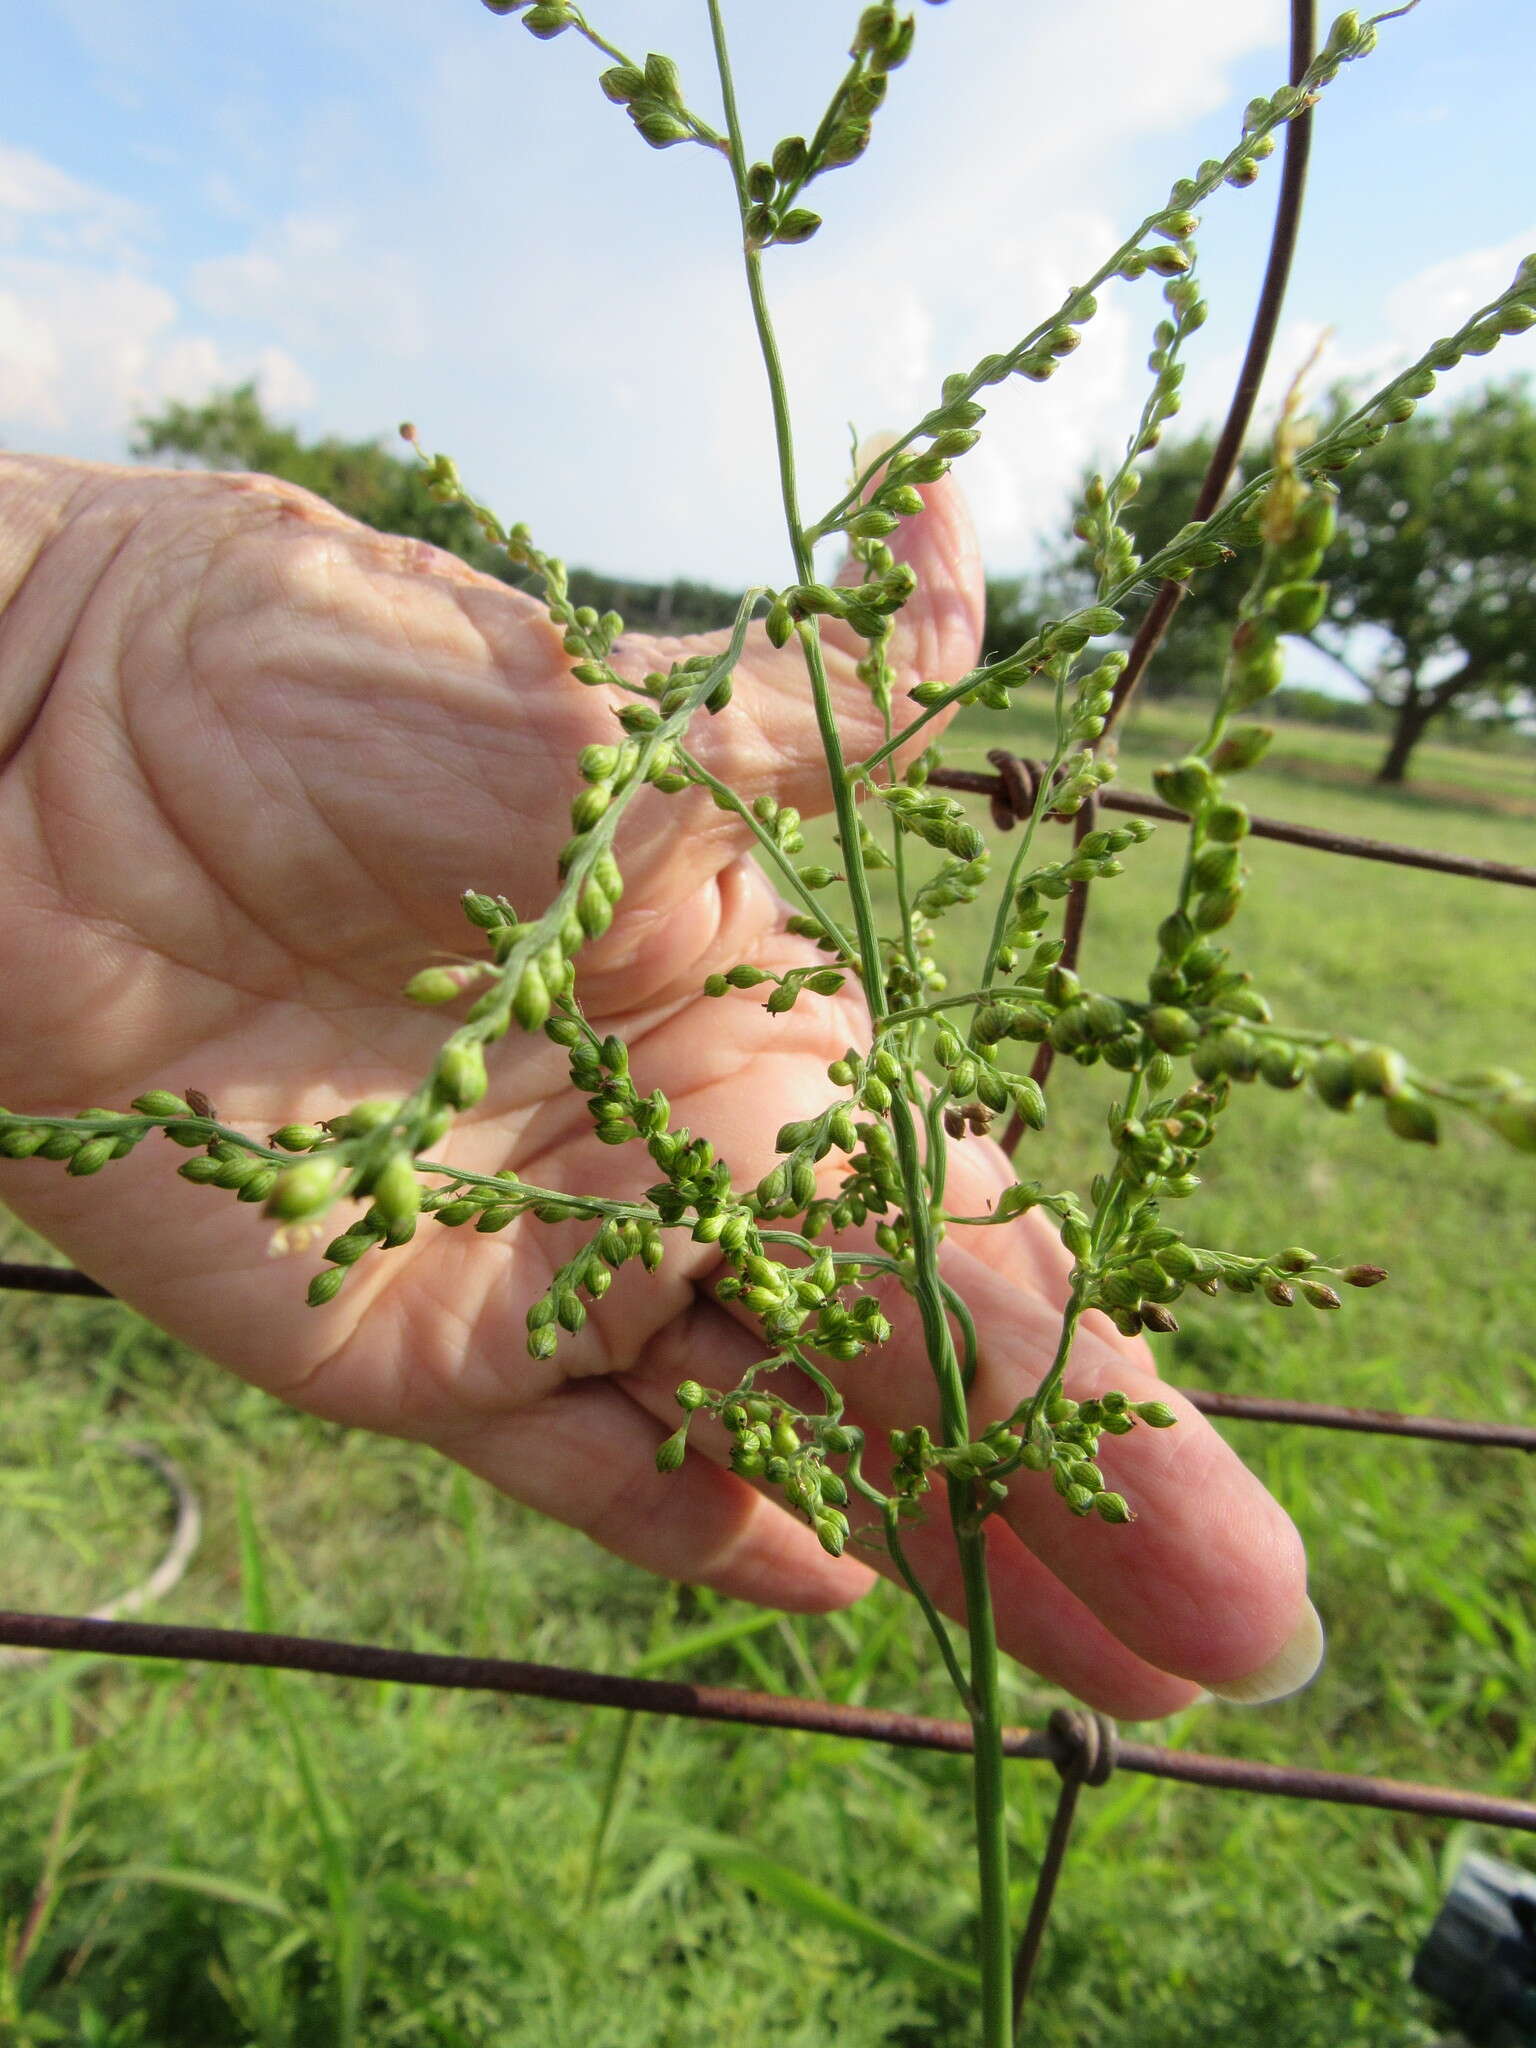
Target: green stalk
(988, 1792)
(936, 1623)
(982, 1698)
(1024, 1415)
(938, 1151)
(898, 839)
(964, 1318)
(903, 891)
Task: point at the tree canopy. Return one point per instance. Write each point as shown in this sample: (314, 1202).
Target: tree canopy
(1432, 581)
(230, 430)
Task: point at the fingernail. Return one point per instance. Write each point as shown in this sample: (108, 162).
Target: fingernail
(1286, 1672)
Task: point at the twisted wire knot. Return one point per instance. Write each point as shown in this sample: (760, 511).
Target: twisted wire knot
(1085, 1746)
(1018, 783)
(1018, 787)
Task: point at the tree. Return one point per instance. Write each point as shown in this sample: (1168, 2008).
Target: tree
(1437, 559)
(362, 478)
(370, 482)
(1432, 580)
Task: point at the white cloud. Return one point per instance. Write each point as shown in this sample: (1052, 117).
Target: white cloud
(75, 343)
(83, 352)
(87, 339)
(45, 206)
(1440, 298)
(319, 281)
(191, 366)
(30, 354)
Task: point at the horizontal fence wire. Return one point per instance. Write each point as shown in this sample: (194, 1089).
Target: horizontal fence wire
(1004, 791)
(1505, 1436)
(326, 1657)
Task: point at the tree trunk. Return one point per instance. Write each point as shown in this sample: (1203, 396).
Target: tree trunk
(1410, 720)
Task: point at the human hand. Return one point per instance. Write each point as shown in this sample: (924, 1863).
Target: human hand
(253, 755)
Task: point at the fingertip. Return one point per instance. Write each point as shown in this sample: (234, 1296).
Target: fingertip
(939, 634)
(1209, 1581)
(1294, 1665)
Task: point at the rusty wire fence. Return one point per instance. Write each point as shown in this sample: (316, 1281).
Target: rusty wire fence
(1084, 1747)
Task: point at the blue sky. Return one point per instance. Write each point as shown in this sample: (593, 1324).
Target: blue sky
(383, 209)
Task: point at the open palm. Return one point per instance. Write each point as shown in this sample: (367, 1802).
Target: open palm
(254, 753)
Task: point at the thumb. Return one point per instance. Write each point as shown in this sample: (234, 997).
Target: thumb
(767, 741)
(937, 634)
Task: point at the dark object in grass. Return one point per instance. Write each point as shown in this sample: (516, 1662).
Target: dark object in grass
(1479, 1958)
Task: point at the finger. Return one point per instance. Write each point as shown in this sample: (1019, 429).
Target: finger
(1029, 1251)
(1264, 1596)
(938, 632)
(1210, 1580)
(768, 741)
(586, 1455)
(1042, 1624)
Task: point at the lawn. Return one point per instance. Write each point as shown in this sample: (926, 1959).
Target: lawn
(206, 1859)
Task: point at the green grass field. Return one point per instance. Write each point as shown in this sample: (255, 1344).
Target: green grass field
(205, 1859)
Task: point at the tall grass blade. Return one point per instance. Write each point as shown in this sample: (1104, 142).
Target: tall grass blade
(348, 1946)
(802, 1895)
